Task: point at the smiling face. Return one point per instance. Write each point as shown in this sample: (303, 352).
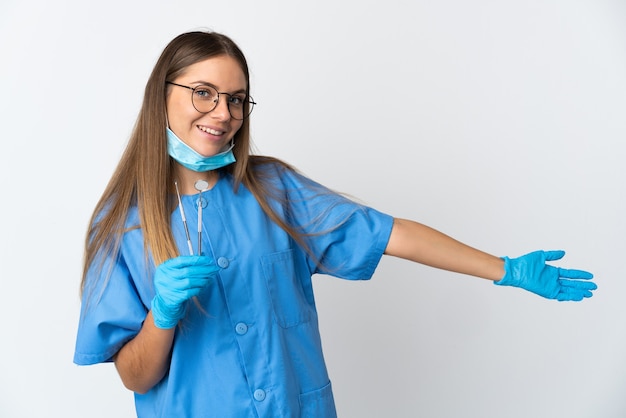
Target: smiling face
(207, 133)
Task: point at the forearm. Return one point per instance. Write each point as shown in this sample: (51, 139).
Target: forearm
(422, 244)
(144, 360)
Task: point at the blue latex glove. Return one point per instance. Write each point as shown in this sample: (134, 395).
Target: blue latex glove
(531, 272)
(176, 281)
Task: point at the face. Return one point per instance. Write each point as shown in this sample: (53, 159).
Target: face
(207, 133)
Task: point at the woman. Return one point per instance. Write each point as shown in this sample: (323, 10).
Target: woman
(223, 322)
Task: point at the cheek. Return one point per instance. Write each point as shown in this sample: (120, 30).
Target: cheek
(180, 116)
(233, 129)
(169, 104)
(235, 125)
(179, 108)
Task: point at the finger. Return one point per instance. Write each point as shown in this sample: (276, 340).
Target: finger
(575, 274)
(186, 294)
(198, 281)
(575, 284)
(193, 260)
(187, 288)
(184, 261)
(573, 295)
(201, 260)
(204, 272)
(212, 269)
(198, 271)
(554, 255)
(569, 297)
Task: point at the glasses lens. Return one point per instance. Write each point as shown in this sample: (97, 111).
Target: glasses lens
(249, 106)
(240, 106)
(204, 98)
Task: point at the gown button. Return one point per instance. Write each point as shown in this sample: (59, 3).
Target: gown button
(241, 328)
(223, 262)
(259, 395)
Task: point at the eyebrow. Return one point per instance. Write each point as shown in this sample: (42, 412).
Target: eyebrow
(206, 83)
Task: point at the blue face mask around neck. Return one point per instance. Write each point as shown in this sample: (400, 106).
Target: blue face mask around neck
(189, 158)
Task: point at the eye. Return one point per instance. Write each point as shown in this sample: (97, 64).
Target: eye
(236, 100)
(205, 93)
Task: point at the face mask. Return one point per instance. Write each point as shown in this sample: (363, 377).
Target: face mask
(190, 159)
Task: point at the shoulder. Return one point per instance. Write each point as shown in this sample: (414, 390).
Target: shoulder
(276, 172)
(265, 165)
(131, 215)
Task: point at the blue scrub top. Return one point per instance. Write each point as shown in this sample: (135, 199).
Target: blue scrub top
(254, 349)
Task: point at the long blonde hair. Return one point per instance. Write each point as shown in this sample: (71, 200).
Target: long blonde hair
(143, 176)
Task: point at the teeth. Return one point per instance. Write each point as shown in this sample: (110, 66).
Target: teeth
(210, 131)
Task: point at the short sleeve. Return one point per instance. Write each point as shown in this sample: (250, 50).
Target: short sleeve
(354, 249)
(111, 313)
(346, 239)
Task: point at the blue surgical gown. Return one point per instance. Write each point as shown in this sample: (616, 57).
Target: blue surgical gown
(254, 349)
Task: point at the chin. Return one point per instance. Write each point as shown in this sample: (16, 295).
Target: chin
(209, 151)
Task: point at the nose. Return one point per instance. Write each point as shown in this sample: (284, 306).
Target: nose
(221, 111)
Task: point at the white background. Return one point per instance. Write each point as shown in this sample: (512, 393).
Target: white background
(501, 123)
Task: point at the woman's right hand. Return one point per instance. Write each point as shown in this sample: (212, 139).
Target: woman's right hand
(176, 281)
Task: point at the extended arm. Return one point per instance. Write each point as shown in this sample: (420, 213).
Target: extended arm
(424, 245)
(416, 242)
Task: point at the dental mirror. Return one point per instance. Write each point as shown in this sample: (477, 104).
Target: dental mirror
(200, 185)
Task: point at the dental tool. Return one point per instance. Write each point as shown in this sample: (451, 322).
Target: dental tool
(201, 186)
(182, 215)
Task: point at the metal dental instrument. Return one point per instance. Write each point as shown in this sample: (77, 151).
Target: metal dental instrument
(200, 185)
(182, 215)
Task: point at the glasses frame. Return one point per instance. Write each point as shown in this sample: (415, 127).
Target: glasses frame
(248, 99)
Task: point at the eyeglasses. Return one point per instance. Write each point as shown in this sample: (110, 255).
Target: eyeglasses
(205, 98)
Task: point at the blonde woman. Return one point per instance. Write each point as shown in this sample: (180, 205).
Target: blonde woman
(199, 257)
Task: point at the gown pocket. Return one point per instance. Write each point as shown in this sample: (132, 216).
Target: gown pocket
(318, 403)
(286, 285)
